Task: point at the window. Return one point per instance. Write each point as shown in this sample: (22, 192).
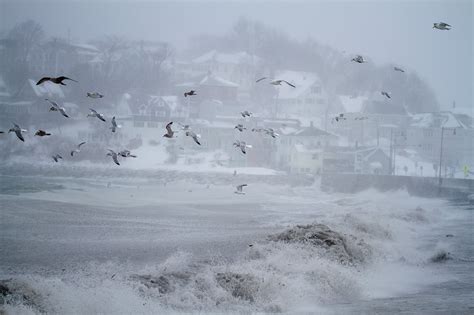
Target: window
(428, 133)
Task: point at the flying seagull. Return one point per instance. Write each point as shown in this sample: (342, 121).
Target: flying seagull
(56, 108)
(358, 59)
(114, 156)
(169, 132)
(58, 80)
(337, 118)
(114, 125)
(398, 69)
(442, 26)
(56, 158)
(245, 113)
(42, 133)
(271, 132)
(94, 95)
(94, 113)
(261, 79)
(17, 130)
(258, 130)
(240, 127)
(190, 93)
(126, 153)
(194, 136)
(385, 94)
(77, 149)
(242, 146)
(278, 82)
(239, 189)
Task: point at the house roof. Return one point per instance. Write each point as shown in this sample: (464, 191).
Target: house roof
(230, 58)
(213, 80)
(302, 80)
(444, 119)
(47, 89)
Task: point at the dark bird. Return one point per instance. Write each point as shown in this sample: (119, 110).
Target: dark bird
(56, 108)
(239, 189)
(278, 82)
(77, 149)
(94, 113)
(271, 132)
(17, 130)
(338, 118)
(240, 127)
(398, 69)
(192, 92)
(385, 94)
(58, 80)
(261, 79)
(114, 156)
(126, 153)
(56, 158)
(94, 95)
(169, 132)
(358, 59)
(194, 136)
(114, 125)
(442, 26)
(242, 146)
(245, 113)
(42, 133)
(2, 132)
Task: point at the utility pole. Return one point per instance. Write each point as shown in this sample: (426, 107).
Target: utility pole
(391, 151)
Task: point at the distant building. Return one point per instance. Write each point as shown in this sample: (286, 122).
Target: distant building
(356, 160)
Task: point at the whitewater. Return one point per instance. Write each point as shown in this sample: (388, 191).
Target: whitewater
(145, 246)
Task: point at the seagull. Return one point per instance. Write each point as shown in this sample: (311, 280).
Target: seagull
(239, 189)
(56, 158)
(94, 95)
(361, 118)
(190, 93)
(42, 133)
(240, 127)
(169, 132)
(242, 145)
(126, 153)
(194, 136)
(271, 133)
(94, 113)
(258, 129)
(442, 26)
(17, 130)
(114, 156)
(261, 79)
(398, 69)
(58, 80)
(337, 118)
(278, 82)
(358, 59)
(245, 113)
(385, 94)
(56, 108)
(185, 127)
(77, 149)
(114, 125)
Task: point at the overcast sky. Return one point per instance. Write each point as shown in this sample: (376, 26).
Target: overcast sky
(388, 31)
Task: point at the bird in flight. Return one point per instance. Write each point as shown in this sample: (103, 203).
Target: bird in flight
(385, 94)
(398, 69)
(56, 158)
(94, 95)
(94, 113)
(442, 26)
(278, 82)
(190, 93)
(240, 127)
(245, 113)
(338, 118)
(58, 80)
(56, 108)
(114, 156)
(239, 189)
(242, 146)
(358, 59)
(18, 131)
(194, 136)
(271, 132)
(126, 153)
(77, 149)
(169, 132)
(261, 79)
(42, 133)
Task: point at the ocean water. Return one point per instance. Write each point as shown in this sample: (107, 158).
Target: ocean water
(114, 246)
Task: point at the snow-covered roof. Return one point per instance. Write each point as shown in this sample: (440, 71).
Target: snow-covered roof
(437, 120)
(46, 89)
(230, 58)
(302, 80)
(352, 104)
(213, 80)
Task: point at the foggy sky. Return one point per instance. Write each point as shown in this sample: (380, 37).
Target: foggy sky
(386, 31)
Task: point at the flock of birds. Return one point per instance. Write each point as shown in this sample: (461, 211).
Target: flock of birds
(170, 133)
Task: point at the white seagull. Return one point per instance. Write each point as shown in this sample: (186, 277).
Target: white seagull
(239, 189)
(94, 95)
(271, 132)
(114, 125)
(194, 136)
(18, 131)
(126, 153)
(94, 113)
(169, 132)
(240, 127)
(114, 156)
(242, 146)
(56, 158)
(77, 149)
(56, 108)
(278, 82)
(442, 26)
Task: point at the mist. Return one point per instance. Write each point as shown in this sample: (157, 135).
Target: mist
(236, 157)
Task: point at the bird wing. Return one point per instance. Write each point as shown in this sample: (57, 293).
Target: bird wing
(114, 123)
(240, 187)
(44, 79)
(79, 145)
(55, 105)
(101, 117)
(63, 112)
(260, 79)
(115, 157)
(442, 24)
(168, 128)
(288, 83)
(62, 78)
(94, 111)
(19, 135)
